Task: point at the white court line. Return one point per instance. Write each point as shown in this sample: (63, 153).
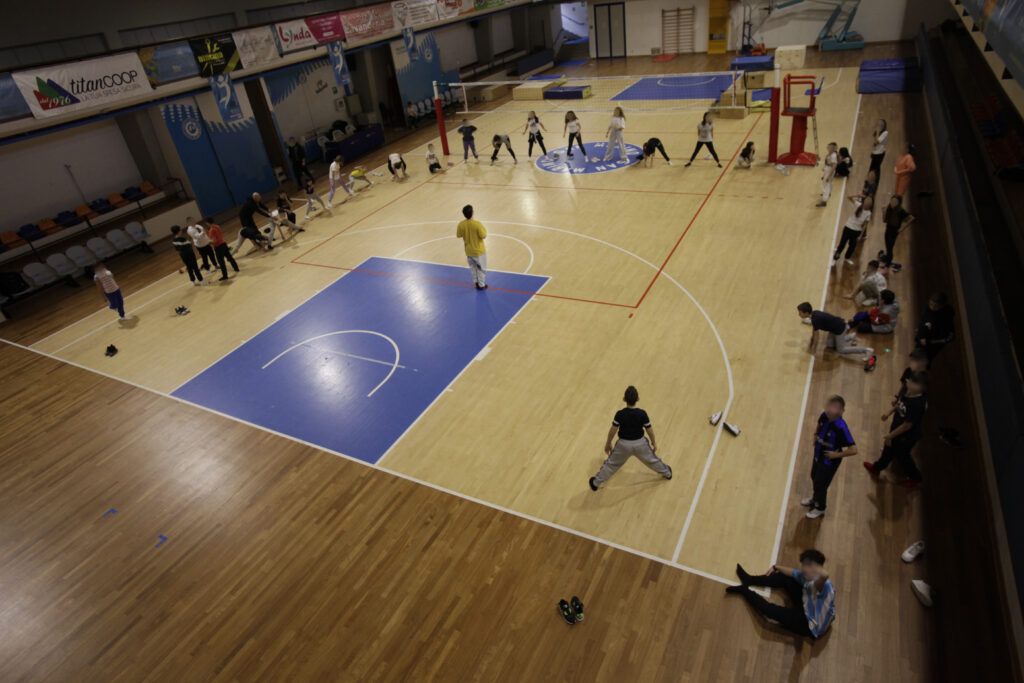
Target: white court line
(489, 235)
(681, 85)
(829, 85)
(810, 368)
(456, 494)
(721, 345)
(331, 334)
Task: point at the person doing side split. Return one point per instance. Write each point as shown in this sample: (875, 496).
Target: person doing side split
(630, 423)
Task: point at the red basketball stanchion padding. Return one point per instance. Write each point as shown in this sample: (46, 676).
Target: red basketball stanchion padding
(773, 128)
(439, 110)
(796, 156)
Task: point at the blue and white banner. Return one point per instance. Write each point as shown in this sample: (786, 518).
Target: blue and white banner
(226, 97)
(409, 36)
(337, 55)
(12, 104)
(416, 77)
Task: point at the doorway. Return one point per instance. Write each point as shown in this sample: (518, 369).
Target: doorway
(610, 30)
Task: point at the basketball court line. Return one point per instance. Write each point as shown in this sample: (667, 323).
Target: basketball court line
(571, 188)
(810, 365)
(489, 235)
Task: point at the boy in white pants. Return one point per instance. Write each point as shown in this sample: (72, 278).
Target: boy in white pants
(828, 173)
(630, 423)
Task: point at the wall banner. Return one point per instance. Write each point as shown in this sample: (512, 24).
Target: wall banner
(414, 12)
(489, 4)
(256, 46)
(336, 53)
(409, 38)
(215, 54)
(12, 104)
(168, 62)
(309, 32)
(65, 88)
(367, 22)
(226, 97)
(446, 9)
(416, 77)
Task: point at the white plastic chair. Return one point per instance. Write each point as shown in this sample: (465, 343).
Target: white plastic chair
(61, 265)
(81, 256)
(137, 232)
(102, 248)
(120, 239)
(39, 274)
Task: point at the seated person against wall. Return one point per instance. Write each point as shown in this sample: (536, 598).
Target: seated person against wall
(412, 114)
(881, 319)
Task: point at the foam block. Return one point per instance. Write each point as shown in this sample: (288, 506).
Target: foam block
(790, 56)
(757, 79)
(567, 92)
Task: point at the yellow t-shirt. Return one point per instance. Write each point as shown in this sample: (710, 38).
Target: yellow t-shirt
(472, 233)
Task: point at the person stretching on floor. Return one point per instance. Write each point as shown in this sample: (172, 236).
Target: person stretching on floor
(650, 147)
(395, 164)
(746, 159)
(630, 423)
(433, 163)
(809, 588)
(705, 137)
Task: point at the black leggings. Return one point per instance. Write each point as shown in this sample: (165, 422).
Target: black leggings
(821, 477)
(661, 148)
(224, 257)
(539, 139)
(399, 165)
(899, 450)
(890, 241)
(790, 618)
(876, 165)
(508, 146)
(711, 148)
(848, 240)
(579, 141)
(192, 266)
(208, 257)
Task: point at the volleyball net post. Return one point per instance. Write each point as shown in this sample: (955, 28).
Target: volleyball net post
(439, 111)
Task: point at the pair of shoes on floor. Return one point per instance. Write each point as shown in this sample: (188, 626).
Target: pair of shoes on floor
(481, 286)
(813, 513)
(571, 611)
(871, 362)
(744, 581)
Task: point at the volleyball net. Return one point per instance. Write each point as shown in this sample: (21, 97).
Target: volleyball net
(665, 92)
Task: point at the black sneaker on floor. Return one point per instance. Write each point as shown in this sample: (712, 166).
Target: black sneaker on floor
(593, 483)
(566, 611)
(577, 608)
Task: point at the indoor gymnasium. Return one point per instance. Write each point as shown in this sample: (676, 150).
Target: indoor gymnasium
(442, 340)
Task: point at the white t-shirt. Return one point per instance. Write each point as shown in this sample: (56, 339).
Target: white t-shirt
(534, 126)
(198, 235)
(831, 159)
(431, 157)
(704, 131)
(106, 280)
(883, 139)
(618, 123)
(395, 159)
(856, 222)
(335, 171)
(573, 126)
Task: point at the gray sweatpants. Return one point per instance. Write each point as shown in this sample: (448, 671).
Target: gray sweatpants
(615, 138)
(478, 266)
(623, 450)
(845, 348)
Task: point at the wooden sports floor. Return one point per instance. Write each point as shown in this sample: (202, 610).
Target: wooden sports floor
(444, 560)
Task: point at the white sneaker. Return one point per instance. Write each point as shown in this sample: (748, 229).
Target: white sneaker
(814, 513)
(806, 502)
(913, 552)
(923, 592)
(670, 163)
(848, 262)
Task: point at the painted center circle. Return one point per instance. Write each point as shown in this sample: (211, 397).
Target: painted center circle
(559, 161)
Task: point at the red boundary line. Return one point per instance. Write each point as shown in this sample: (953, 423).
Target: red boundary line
(700, 208)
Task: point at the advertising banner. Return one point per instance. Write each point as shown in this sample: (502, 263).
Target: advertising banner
(12, 104)
(65, 88)
(489, 4)
(168, 62)
(215, 54)
(309, 32)
(367, 22)
(341, 74)
(416, 77)
(226, 97)
(446, 9)
(409, 38)
(414, 12)
(256, 46)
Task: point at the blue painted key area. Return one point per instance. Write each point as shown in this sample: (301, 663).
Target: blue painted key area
(695, 87)
(352, 368)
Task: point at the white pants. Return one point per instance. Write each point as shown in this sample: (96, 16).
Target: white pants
(615, 138)
(478, 266)
(826, 189)
(623, 451)
(310, 198)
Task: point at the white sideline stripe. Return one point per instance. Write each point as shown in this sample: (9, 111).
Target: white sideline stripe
(456, 494)
(721, 345)
(810, 367)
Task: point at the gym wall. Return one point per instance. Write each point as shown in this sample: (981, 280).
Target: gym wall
(457, 46)
(37, 185)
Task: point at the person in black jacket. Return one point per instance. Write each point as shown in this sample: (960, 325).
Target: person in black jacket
(936, 328)
(252, 206)
(183, 245)
(297, 155)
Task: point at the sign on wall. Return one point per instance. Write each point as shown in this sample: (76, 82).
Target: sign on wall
(308, 32)
(367, 22)
(256, 46)
(416, 76)
(336, 53)
(226, 97)
(215, 54)
(65, 88)
(447, 9)
(168, 62)
(414, 12)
